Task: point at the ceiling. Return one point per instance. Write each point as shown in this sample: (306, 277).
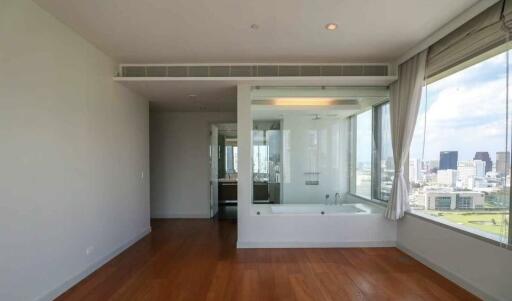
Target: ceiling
(220, 31)
(186, 31)
(187, 96)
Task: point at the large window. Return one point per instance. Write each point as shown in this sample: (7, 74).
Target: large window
(384, 167)
(362, 154)
(372, 167)
(459, 166)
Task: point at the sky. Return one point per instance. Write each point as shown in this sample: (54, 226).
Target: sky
(465, 112)
(364, 137)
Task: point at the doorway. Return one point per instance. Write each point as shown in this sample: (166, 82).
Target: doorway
(224, 171)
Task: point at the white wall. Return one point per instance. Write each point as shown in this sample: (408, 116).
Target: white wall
(73, 147)
(329, 158)
(478, 266)
(296, 230)
(180, 168)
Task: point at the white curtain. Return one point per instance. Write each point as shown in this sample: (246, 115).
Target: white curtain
(405, 96)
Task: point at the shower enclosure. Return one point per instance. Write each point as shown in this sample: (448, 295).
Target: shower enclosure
(311, 151)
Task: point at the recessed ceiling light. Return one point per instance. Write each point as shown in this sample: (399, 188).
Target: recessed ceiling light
(255, 26)
(331, 26)
(192, 95)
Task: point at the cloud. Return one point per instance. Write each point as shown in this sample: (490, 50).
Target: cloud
(466, 112)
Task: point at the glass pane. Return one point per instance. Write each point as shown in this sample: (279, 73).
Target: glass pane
(460, 156)
(266, 161)
(386, 167)
(305, 155)
(363, 151)
(229, 159)
(235, 158)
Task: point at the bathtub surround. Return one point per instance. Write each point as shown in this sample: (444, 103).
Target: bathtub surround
(74, 156)
(320, 209)
(405, 103)
(296, 230)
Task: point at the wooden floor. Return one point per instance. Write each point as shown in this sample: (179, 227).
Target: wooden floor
(198, 260)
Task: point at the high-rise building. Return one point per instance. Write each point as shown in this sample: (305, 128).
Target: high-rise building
(502, 166)
(448, 160)
(469, 170)
(480, 168)
(447, 177)
(414, 170)
(484, 156)
(431, 165)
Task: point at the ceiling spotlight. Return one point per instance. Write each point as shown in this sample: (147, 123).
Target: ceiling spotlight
(331, 26)
(255, 26)
(192, 96)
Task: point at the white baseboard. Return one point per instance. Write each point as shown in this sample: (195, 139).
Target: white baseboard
(178, 215)
(449, 275)
(307, 244)
(54, 293)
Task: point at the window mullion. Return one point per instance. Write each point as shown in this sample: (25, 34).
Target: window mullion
(376, 153)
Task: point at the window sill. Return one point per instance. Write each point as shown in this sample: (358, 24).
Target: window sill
(460, 230)
(374, 201)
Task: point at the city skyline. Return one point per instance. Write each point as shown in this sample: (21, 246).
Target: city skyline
(492, 163)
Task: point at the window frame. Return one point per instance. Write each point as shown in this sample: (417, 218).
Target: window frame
(377, 140)
(376, 153)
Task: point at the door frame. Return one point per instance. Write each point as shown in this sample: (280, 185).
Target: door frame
(211, 199)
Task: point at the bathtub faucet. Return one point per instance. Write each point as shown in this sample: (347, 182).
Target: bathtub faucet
(337, 198)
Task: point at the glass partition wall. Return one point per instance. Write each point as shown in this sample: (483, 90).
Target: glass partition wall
(300, 158)
(301, 146)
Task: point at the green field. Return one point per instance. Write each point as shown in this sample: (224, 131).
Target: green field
(490, 222)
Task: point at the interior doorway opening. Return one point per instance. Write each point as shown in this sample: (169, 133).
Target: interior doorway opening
(224, 171)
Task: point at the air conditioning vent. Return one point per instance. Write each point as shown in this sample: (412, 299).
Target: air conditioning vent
(156, 71)
(276, 70)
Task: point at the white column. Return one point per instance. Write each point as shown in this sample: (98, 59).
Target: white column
(244, 129)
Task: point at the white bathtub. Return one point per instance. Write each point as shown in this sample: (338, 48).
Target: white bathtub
(352, 224)
(321, 209)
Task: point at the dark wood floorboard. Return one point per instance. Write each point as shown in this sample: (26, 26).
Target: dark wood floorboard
(198, 260)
